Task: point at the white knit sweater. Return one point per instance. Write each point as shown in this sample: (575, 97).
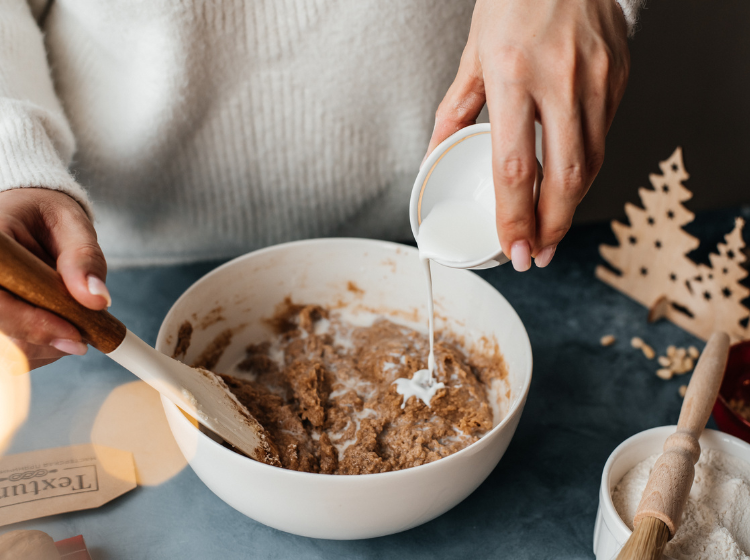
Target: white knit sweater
(203, 129)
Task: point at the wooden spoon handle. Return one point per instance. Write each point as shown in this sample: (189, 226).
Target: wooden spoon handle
(672, 476)
(28, 277)
(704, 385)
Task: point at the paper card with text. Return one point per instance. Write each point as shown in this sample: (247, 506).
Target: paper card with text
(63, 479)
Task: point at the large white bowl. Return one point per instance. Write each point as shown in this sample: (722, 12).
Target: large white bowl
(391, 282)
(610, 531)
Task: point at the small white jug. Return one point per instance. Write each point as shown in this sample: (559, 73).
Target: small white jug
(456, 182)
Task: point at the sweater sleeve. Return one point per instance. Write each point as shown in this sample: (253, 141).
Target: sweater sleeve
(631, 9)
(36, 142)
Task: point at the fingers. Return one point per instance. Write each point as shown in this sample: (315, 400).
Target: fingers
(80, 261)
(462, 103)
(35, 352)
(566, 62)
(25, 322)
(34, 364)
(512, 111)
(39, 334)
(575, 127)
(54, 227)
(565, 178)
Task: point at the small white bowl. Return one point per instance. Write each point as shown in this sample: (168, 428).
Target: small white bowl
(389, 280)
(460, 168)
(610, 531)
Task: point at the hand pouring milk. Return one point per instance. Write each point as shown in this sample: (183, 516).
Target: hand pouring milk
(452, 214)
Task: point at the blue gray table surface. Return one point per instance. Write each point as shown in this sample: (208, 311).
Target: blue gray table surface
(541, 500)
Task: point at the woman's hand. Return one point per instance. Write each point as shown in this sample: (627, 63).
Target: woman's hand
(55, 228)
(562, 62)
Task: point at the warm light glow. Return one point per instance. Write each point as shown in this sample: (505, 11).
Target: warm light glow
(132, 419)
(15, 390)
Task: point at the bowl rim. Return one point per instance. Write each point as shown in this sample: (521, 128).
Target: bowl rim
(515, 408)
(605, 495)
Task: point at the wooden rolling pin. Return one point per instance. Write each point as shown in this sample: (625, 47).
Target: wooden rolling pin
(660, 511)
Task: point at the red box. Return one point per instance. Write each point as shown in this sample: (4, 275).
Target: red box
(73, 548)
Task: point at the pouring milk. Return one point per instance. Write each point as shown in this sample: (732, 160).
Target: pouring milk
(452, 215)
(455, 231)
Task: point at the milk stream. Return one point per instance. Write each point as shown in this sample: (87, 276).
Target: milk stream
(423, 384)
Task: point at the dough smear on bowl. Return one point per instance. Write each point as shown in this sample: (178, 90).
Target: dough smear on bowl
(323, 390)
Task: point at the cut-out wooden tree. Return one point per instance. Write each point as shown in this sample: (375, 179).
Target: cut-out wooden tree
(651, 264)
(716, 292)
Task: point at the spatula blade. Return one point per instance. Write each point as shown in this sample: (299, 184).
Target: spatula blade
(200, 393)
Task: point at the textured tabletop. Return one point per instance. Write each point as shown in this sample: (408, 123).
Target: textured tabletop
(540, 502)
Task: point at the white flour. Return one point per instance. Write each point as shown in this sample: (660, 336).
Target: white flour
(716, 521)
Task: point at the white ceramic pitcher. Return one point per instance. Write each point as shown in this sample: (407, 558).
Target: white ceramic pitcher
(459, 172)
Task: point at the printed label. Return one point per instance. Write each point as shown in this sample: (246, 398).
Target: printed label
(63, 479)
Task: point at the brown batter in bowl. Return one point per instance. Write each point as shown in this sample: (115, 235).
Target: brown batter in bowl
(323, 390)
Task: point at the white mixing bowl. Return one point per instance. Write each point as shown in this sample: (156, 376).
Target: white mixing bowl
(390, 281)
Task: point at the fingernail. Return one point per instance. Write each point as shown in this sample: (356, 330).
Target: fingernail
(98, 288)
(69, 346)
(544, 257)
(520, 255)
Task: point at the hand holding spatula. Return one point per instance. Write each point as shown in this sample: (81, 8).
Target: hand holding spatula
(198, 392)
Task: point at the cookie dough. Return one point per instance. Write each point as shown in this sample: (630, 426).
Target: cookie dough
(323, 389)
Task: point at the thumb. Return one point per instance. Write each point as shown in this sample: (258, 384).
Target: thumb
(72, 244)
(462, 103)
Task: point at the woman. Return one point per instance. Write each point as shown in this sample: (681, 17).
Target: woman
(206, 129)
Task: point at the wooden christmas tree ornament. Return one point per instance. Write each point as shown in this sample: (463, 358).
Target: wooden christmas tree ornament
(651, 265)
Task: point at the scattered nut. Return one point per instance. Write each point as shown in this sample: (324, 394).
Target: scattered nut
(683, 366)
(678, 360)
(682, 390)
(607, 340)
(648, 351)
(664, 373)
(637, 342)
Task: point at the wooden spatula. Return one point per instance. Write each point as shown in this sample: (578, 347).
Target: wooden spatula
(198, 392)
